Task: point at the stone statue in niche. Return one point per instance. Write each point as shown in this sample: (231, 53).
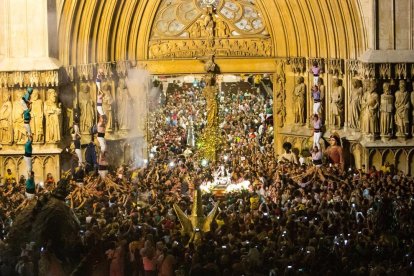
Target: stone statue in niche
(123, 106)
(53, 112)
(386, 109)
(402, 109)
(87, 110)
(19, 131)
(36, 123)
(369, 109)
(355, 104)
(299, 98)
(337, 103)
(412, 105)
(6, 132)
(107, 102)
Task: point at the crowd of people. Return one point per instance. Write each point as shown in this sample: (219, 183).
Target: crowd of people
(293, 218)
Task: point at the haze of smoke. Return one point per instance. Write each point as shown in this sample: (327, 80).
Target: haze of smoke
(139, 86)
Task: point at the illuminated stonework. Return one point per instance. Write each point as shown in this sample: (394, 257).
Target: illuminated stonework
(182, 28)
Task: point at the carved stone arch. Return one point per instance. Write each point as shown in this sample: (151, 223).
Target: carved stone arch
(124, 30)
(401, 161)
(9, 163)
(375, 158)
(37, 163)
(388, 155)
(49, 166)
(19, 172)
(411, 162)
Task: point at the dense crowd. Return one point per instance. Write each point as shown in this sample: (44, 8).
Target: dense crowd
(293, 219)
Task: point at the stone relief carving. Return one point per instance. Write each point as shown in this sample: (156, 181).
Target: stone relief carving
(385, 70)
(87, 109)
(355, 104)
(337, 103)
(386, 109)
(298, 64)
(335, 67)
(19, 131)
(280, 100)
(53, 112)
(233, 29)
(31, 78)
(85, 71)
(36, 123)
(6, 132)
(224, 47)
(401, 70)
(402, 108)
(299, 99)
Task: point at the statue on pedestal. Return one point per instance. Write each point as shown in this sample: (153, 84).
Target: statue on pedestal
(123, 106)
(387, 107)
(299, 98)
(107, 102)
(19, 130)
(36, 123)
(87, 110)
(355, 104)
(337, 104)
(6, 132)
(53, 118)
(369, 109)
(402, 108)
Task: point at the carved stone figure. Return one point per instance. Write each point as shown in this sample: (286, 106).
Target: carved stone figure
(6, 132)
(107, 102)
(53, 119)
(36, 123)
(387, 107)
(402, 108)
(195, 30)
(369, 109)
(209, 23)
(412, 105)
(355, 104)
(222, 29)
(19, 131)
(87, 109)
(299, 98)
(337, 103)
(123, 105)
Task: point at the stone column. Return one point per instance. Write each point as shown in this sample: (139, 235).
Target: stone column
(29, 35)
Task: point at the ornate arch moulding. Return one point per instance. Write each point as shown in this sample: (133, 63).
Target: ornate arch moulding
(195, 28)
